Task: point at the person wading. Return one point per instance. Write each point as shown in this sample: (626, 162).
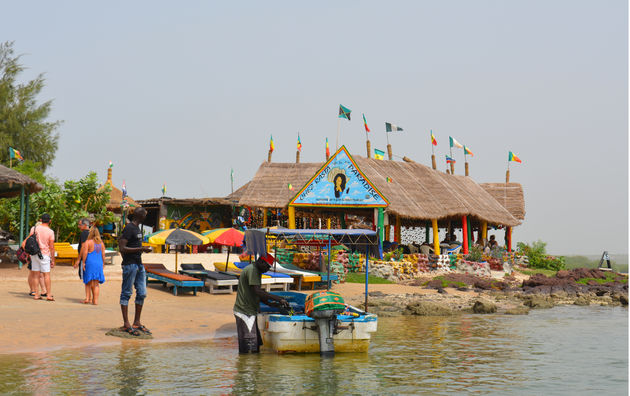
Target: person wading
(134, 275)
(248, 297)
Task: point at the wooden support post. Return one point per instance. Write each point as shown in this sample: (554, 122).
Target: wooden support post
(452, 168)
(297, 157)
(387, 232)
(264, 217)
(433, 163)
(470, 234)
(436, 237)
(381, 223)
(291, 218)
(328, 222)
(397, 230)
(508, 231)
(389, 152)
(21, 231)
(466, 168)
(507, 176)
(368, 145)
(426, 232)
(484, 232)
(465, 235)
(269, 156)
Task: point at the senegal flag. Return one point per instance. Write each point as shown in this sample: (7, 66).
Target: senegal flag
(299, 144)
(468, 152)
(433, 139)
(13, 153)
(327, 149)
(512, 157)
(365, 124)
(379, 154)
(271, 145)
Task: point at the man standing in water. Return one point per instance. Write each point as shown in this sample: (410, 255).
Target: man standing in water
(134, 275)
(248, 299)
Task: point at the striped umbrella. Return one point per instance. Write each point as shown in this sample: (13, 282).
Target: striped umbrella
(227, 237)
(178, 237)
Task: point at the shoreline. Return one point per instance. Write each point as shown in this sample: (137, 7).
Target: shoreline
(30, 326)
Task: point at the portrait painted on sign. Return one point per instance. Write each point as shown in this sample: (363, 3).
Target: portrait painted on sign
(339, 181)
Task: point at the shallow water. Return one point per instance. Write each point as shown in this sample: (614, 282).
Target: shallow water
(564, 350)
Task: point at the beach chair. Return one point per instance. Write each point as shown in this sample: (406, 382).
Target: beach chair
(301, 277)
(269, 281)
(218, 282)
(160, 274)
(323, 275)
(454, 250)
(64, 252)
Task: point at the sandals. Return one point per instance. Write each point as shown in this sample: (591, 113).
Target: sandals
(143, 329)
(50, 298)
(131, 331)
(32, 294)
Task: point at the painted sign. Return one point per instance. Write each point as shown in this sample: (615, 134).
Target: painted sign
(339, 182)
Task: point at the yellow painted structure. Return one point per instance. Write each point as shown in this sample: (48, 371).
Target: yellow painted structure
(291, 217)
(436, 237)
(484, 231)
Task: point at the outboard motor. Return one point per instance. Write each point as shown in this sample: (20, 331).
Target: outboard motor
(324, 307)
(326, 322)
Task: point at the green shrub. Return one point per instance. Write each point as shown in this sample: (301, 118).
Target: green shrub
(475, 254)
(538, 258)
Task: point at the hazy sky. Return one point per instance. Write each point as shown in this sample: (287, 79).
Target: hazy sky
(180, 92)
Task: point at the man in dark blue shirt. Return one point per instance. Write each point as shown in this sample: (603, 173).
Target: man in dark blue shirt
(134, 275)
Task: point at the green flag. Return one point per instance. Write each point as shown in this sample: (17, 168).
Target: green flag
(344, 112)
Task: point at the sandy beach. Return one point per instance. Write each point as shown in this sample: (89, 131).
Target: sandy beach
(31, 326)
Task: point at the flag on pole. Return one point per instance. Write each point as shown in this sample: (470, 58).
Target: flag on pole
(344, 112)
(468, 152)
(365, 124)
(164, 189)
(299, 144)
(271, 145)
(124, 189)
(433, 139)
(327, 149)
(389, 127)
(449, 160)
(13, 153)
(454, 143)
(512, 157)
(389, 179)
(232, 175)
(111, 164)
(379, 154)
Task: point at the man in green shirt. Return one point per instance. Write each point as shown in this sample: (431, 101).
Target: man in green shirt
(248, 297)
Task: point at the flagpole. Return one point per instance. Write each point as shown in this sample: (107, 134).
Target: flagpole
(465, 162)
(433, 164)
(452, 166)
(338, 130)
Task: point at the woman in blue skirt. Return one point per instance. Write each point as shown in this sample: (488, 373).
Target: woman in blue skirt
(93, 257)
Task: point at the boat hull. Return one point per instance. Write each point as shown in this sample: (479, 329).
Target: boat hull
(298, 333)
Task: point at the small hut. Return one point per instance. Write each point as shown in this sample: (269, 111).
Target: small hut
(116, 202)
(13, 184)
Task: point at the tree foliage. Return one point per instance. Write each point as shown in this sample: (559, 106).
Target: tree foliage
(23, 124)
(538, 258)
(66, 204)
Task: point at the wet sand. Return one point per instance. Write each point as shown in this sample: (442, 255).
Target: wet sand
(31, 326)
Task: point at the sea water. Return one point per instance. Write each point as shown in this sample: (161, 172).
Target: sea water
(566, 350)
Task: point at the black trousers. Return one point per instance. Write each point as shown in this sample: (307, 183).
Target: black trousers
(249, 341)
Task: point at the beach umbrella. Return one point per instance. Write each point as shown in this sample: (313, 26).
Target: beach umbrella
(178, 237)
(227, 237)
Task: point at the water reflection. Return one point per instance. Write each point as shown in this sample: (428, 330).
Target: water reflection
(130, 369)
(552, 350)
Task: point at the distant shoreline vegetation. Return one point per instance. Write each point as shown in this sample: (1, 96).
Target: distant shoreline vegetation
(619, 262)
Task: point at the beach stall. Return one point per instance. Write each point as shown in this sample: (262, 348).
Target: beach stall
(412, 206)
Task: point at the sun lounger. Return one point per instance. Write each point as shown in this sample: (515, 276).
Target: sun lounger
(324, 275)
(268, 281)
(300, 277)
(64, 252)
(163, 275)
(218, 282)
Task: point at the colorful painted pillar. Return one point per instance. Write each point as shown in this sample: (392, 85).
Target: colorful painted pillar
(328, 222)
(484, 231)
(465, 234)
(426, 232)
(387, 232)
(508, 232)
(264, 217)
(291, 218)
(381, 223)
(436, 237)
(397, 230)
(470, 233)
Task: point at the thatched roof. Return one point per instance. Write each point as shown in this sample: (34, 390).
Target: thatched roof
(116, 195)
(11, 183)
(184, 201)
(415, 192)
(510, 195)
(236, 195)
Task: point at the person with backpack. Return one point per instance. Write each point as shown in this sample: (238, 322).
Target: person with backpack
(40, 244)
